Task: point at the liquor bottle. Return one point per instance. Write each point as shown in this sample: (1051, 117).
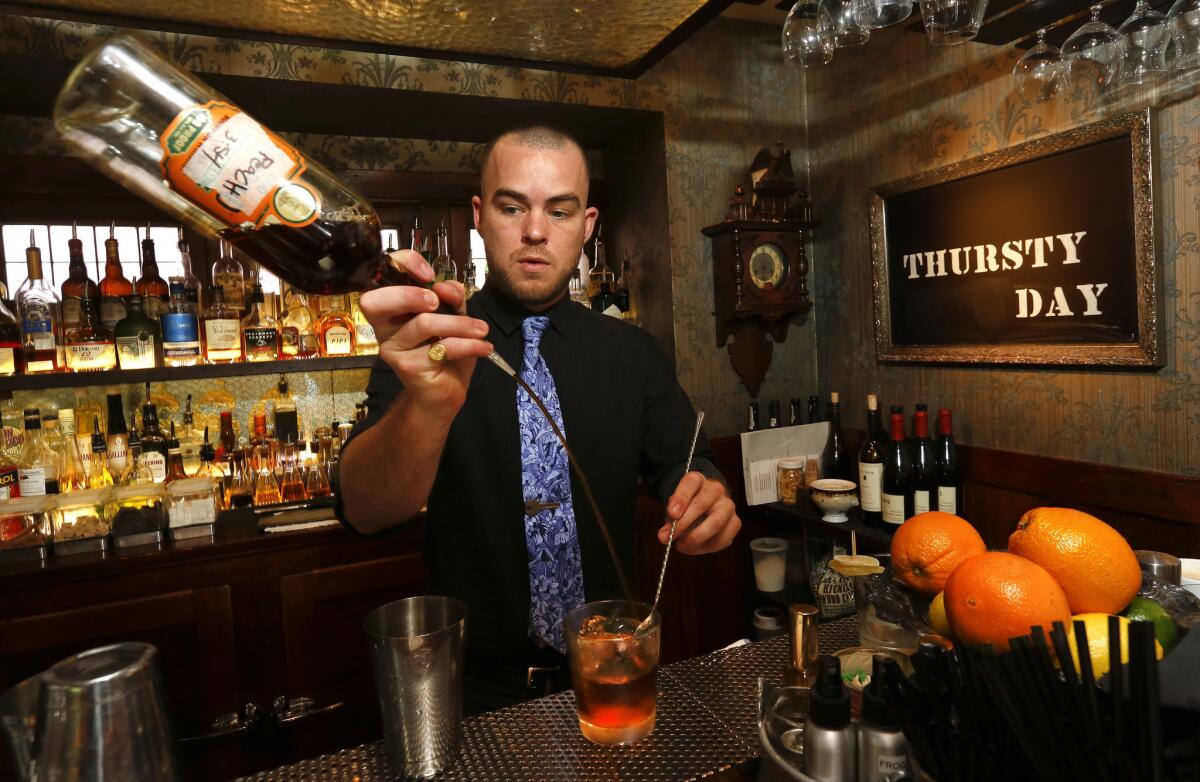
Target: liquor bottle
(12, 356)
(950, 477)
(230, 277)
(364, 332)
(175, 471)
(151, 287)
(316, 482)
(266, 488)
(210, 469)
(78, 284)
(600, 272)
(154, 444)
(139, 472)
(752, 417)
(9, 477)
(291, 484)
(897, 494)
(773, 414)
(622, 291)
(37, 306)
(604, 301)
(577, 291)
(180, 328)
(335, 330)
(417, 240)
(298, 337)
(190, 440)
(470, 287)
(835, 462)
(138, 338)
(99, 475)
(870, 466)
(814, 409)
(444, 268)
(241, 484)
(115, 290)
(144, 122)
(925, 468)
(37, 469)
(191, 283)
(117, 438)
(12, 424)
(228, 440)
(62, 441)
(795, 412)
(287, 422)
(260, 332)
(222, 330)
(89, 349)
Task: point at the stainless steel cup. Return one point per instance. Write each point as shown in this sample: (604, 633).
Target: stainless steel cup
(94, 717)
(1165, 567)
(417, 656)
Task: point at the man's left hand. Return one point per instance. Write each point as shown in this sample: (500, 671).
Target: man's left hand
(708, 521)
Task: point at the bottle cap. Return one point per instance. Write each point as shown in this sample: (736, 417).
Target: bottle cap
(829, 701)
(802, 626)
(878, 695)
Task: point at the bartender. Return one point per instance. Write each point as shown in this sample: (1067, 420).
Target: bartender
(508, 529)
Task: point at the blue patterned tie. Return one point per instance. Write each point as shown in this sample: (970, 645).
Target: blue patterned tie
(551, 539)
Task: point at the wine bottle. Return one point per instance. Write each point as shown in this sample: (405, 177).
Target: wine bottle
(752, 417)
(814, 409)
(925, 469)
(897, 493)
(950, 497)
(870, 466)
(773, 414)
(835, 462)
(795, 411)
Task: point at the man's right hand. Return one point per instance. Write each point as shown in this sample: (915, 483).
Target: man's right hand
(406, 324)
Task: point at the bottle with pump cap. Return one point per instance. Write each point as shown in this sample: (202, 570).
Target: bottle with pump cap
(882, 748)
(830, 739)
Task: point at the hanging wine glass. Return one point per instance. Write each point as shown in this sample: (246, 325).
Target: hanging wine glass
(1090, 55)
(808, 34)
(874, 14)
(1038, 72)
(1144, 38)
(949, 22)
(1184, 22)
(846, 29)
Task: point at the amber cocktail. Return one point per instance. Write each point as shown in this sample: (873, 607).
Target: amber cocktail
(613, 670)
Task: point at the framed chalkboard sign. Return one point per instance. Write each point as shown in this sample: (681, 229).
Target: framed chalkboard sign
(1043, 253)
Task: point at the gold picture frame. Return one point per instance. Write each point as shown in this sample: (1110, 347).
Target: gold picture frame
(1146, 351)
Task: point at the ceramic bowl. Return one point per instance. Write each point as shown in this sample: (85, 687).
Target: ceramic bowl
(1189, 576)
(834, 497)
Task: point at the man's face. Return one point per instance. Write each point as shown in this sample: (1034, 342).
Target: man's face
(533, 218)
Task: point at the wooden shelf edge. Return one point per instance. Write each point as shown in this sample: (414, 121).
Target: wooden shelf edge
(124, 376)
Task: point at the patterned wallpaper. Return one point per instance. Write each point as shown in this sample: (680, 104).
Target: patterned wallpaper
(724, 94)
(917, 107)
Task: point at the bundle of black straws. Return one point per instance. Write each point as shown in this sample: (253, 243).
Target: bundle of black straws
(974, 715)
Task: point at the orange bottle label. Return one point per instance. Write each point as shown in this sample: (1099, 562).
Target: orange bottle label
(224, 162)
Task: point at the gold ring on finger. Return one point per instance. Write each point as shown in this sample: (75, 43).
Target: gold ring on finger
(437, 352)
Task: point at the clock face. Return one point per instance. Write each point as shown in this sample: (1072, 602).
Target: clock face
(768, 266)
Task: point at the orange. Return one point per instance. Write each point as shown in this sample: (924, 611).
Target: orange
(997, 596)
(1090, 560)
(927, 548)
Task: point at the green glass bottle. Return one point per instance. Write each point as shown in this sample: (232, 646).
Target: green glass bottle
(138, 338)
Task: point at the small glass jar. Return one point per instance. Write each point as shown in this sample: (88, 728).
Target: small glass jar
(192, 502)
(25, 528)
(139, 514)
(82, 521)
(791, 480)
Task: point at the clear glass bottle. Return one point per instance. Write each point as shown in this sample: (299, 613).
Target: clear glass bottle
(444, 268)
(153, 443)
(180, 328)
(117, 438)
(99, 475)
(222, 330)
(190, 440)
(210, 469)
(418, 241)
(266, 488)
(78, 284)
(60, 433)
(230, 277)
(260, 331)
(470, 288)
(137, 337)
(140, 472)
(298, 337)
(191, 283)
(151, 287)
(336, 328)
(37, 306)
(364, 332)
(37, 469)
(291, 485)
(89, 348)
(600, 274)
(622, 294)
(115, 290)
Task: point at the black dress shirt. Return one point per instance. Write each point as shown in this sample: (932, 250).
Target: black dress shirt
(625, 418)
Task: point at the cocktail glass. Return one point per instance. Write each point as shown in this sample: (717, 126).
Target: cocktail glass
(613, 669)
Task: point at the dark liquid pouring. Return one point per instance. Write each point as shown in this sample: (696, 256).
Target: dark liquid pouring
(333, 256)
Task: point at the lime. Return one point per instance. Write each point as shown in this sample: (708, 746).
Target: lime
(1143, 609)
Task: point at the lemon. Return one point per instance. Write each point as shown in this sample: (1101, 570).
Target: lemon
(937, 616)
(1097, 638)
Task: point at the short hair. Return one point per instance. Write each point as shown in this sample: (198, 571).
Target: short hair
(537, 137)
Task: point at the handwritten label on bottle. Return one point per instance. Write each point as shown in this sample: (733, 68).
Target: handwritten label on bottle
(235, 169)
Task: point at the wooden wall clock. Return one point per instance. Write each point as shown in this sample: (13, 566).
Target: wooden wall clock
(760, 269)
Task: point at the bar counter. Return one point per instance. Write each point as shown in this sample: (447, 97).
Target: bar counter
(707, 726)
